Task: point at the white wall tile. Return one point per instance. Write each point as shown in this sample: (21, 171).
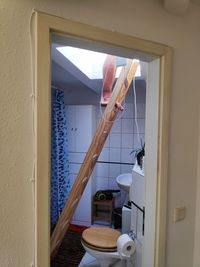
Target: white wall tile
(112, 184)
(126, 168)
(141, 107)
(72, 180)
(114, 170)
(115, 154)
(141, 126)
(76, 157)
(128, 111)
(126, 156)
(116, 128)
(104, 156)
(101, 183)
(102, 169)
(141, 92)
(115, 140)
(127, 140)
(136, 142)
(74, 168)
(127, 125)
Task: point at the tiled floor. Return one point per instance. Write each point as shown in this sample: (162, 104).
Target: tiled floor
(88, 261)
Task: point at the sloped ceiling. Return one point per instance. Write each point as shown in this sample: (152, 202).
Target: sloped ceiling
(66, 75)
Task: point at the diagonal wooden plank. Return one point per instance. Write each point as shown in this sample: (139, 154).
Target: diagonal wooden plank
(105, 125)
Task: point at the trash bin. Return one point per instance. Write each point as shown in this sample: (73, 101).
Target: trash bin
(117, 218)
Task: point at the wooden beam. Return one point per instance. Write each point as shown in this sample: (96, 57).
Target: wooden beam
(103, 130)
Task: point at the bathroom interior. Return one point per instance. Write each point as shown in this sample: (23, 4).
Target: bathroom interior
(114, 195)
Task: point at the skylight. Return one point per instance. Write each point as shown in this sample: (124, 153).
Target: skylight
(88, 62)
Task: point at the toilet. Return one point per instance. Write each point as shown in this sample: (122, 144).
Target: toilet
(101, 243)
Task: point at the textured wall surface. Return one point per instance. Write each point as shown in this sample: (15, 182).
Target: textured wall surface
(142, 18)
(197, 219)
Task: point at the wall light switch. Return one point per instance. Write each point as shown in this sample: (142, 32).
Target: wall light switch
(179, 214)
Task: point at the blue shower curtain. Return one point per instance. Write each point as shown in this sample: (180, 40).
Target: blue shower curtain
(60, 177)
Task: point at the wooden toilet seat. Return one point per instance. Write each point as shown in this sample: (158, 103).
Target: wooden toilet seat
(101, 238)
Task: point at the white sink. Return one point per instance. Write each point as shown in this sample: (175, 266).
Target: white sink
(124, 181)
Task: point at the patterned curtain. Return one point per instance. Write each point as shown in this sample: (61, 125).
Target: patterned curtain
(60, 180)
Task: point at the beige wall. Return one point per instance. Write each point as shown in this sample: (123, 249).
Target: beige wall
(197, 219)
(146, 19)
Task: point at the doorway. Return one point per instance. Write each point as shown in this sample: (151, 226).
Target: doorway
(157, 55)
(77, 80)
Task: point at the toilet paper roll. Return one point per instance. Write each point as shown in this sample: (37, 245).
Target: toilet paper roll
(125, 245)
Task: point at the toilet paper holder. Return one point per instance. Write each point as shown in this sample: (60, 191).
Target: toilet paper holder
(132, 235)
(143, 213)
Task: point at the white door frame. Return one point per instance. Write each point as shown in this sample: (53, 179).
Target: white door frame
(45, 25)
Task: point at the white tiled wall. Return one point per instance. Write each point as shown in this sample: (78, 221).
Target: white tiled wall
(122, 140)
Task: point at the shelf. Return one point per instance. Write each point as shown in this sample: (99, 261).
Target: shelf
(102, 210)
(137, 169)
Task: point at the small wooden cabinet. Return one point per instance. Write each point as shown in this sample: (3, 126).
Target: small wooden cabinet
(102, 210)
